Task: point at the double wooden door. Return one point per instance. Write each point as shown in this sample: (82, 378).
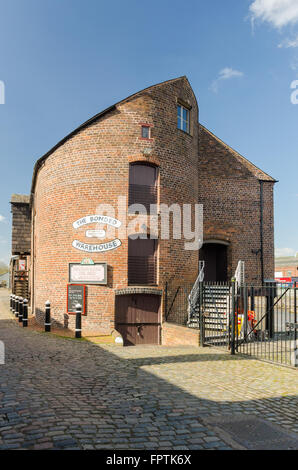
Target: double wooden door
(138, 318)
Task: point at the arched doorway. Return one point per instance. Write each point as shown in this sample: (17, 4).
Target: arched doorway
(216, 261)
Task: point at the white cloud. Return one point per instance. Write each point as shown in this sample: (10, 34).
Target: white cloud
(2, 218)
(289, 43)
(279, 252)
(225, 74)
(278, 13)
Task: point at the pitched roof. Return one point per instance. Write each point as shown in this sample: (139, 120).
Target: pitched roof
(257, 172)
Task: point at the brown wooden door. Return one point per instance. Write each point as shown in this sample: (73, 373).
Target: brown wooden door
(138, 318)
(142, 261)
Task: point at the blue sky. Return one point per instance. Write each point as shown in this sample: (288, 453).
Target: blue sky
(62, 61)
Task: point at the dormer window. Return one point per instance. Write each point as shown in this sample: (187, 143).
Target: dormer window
(183, 118)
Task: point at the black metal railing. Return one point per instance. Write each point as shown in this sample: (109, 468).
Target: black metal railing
(176, 303)
(267, 323)
(217, 299)
(260, 321)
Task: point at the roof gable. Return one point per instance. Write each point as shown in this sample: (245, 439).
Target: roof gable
(244, 162)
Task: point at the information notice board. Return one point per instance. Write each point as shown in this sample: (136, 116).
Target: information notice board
(76, 294)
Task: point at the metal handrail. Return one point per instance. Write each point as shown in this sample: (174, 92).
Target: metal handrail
(240, 274)
(195, 291)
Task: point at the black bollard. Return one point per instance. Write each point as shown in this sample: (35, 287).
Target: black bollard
(10, 303)
(16, 310)
(78, 321)
(47, 323)
(25, 313)
(20, 309)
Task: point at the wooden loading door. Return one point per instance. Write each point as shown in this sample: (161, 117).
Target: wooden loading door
(138, 318)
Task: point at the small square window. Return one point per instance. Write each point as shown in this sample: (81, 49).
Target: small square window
(183, 118)
(145, 132)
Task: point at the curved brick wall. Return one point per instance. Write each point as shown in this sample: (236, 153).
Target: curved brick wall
(92, 167)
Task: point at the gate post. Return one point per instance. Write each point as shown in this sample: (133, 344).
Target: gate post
(269, 289)
(232, 320)
(252, 298)
(245, 310)
(201, 317)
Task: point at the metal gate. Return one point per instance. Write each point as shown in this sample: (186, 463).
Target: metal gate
(215, 307)
(258, 321)
(269, 323)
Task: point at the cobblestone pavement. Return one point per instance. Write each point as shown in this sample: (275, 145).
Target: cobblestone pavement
(58, 393)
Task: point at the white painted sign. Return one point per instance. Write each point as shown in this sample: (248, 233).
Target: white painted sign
(97, 219)
(88, 274)
(100, 248)
(95, 233)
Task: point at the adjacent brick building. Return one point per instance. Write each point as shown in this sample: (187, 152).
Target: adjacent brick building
(286, 267)
(149, 149)
(238, 208)
(21, 245)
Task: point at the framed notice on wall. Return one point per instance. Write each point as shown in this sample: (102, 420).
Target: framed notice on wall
(76, 294)
(88, 273)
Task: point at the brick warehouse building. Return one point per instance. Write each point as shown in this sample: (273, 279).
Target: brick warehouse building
(140, 149)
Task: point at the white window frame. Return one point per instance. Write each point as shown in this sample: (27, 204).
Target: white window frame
(182, 120)
(149, 131)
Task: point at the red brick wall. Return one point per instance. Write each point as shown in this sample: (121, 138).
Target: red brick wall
(92, 167)
(175, 335)
(229, 189)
